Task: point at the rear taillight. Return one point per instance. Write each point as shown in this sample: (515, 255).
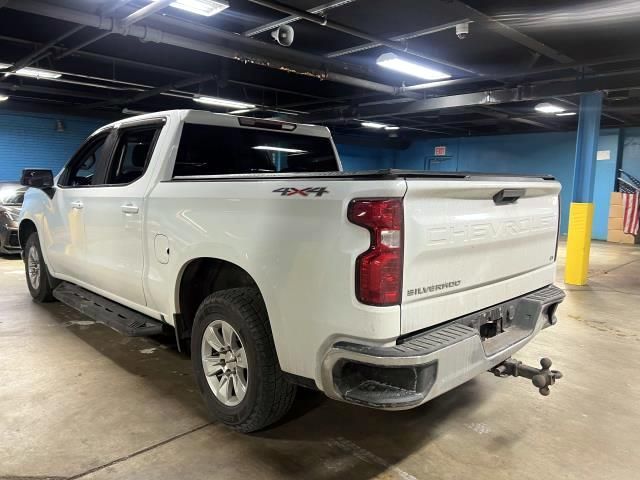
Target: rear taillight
(379, 269)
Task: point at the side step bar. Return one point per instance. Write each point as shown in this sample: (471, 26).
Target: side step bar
(102, 310)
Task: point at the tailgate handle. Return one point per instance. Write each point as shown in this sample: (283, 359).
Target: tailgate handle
(508, 195)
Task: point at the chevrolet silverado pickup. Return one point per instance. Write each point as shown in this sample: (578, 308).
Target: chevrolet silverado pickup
(275, 268)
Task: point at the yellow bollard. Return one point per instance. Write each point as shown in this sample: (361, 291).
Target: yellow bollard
(578, 243)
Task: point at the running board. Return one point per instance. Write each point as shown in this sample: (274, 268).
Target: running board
(102, 310)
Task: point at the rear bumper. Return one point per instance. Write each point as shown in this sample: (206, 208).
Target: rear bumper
(425, 365)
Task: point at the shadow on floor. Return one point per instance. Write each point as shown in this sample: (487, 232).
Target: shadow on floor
(361, 442)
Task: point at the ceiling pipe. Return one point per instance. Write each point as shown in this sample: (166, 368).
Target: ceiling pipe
(125, 23)
(43, 51)
(181, 73)
(460, 81)
(158, 36)
(292, 18)
(528, 73)
(398, 38)
(145, 12)
(324, 22)
(80, 46)
(154, 91)
(108, 59)
(8, 87)
(508, 32)
(480, 98)
(270, 50)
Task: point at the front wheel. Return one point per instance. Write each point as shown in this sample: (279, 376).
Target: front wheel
(40, 283)
(235, 361)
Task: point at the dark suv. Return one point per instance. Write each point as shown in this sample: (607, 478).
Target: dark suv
(11, 196)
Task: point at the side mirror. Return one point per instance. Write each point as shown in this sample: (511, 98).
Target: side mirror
(37, 178)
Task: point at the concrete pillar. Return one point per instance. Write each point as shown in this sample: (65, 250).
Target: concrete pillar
(581, 212)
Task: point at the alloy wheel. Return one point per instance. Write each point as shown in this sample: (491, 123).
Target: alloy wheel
(224, 363)
(33, 267)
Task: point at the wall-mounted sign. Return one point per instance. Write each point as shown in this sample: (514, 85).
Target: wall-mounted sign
(440, 151)
(603, 155)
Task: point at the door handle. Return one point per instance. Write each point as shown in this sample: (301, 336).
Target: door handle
(129, 208)
(77, 205)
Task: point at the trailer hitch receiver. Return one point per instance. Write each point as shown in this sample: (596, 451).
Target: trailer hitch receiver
(542, 378)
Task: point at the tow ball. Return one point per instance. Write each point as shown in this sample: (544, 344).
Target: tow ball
(542, 378)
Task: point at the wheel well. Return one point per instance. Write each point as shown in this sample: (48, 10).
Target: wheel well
(26, 228)
(202, 277)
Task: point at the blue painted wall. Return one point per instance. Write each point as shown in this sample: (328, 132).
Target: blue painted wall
(547, 153)
(630, 158)
(535, 153)
(605, 183)
(31, 140)
(356, 157)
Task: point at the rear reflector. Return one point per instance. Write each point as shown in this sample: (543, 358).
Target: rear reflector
(379, 269)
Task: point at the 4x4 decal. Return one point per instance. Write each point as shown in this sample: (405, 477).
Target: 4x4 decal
(303, 192)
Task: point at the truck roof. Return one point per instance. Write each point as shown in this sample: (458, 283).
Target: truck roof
(222, 119)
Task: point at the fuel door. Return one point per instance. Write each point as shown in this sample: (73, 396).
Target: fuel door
(161, 247)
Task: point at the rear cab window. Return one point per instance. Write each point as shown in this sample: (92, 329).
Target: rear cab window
(217, 150)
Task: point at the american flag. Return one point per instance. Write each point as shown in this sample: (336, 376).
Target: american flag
(630, 207)
(630, 203)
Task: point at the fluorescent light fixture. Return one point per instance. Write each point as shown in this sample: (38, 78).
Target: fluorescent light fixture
(393, 62)
(549, 108)
(373, 125)
(241, 111)
(278, 149)
(201, 7)
(223, 102)
(31, 72)
(565, 114)
(424, 86)
(4, 98)
(379, 125)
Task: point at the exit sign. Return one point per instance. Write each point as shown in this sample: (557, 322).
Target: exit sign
(440, 151)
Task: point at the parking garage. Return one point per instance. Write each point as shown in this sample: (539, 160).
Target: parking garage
(544, 91)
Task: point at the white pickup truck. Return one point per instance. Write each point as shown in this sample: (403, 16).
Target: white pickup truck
(277, 269)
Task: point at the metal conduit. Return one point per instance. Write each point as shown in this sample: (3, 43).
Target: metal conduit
(43, 51)
(319, 20)
(158, 36)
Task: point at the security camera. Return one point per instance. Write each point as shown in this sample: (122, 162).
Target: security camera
(462, 30)
(283, 35)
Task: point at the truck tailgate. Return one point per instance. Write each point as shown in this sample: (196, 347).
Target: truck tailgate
(465, 249)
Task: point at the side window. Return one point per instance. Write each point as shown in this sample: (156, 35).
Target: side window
(131, 155)
(83, 167)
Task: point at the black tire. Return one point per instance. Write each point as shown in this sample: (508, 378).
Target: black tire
(43, 291)
(269, 395)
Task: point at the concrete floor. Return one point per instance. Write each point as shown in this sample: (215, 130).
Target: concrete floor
(77, 400)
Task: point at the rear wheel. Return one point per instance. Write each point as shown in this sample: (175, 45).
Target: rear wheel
(40, 283)
(235, 361)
